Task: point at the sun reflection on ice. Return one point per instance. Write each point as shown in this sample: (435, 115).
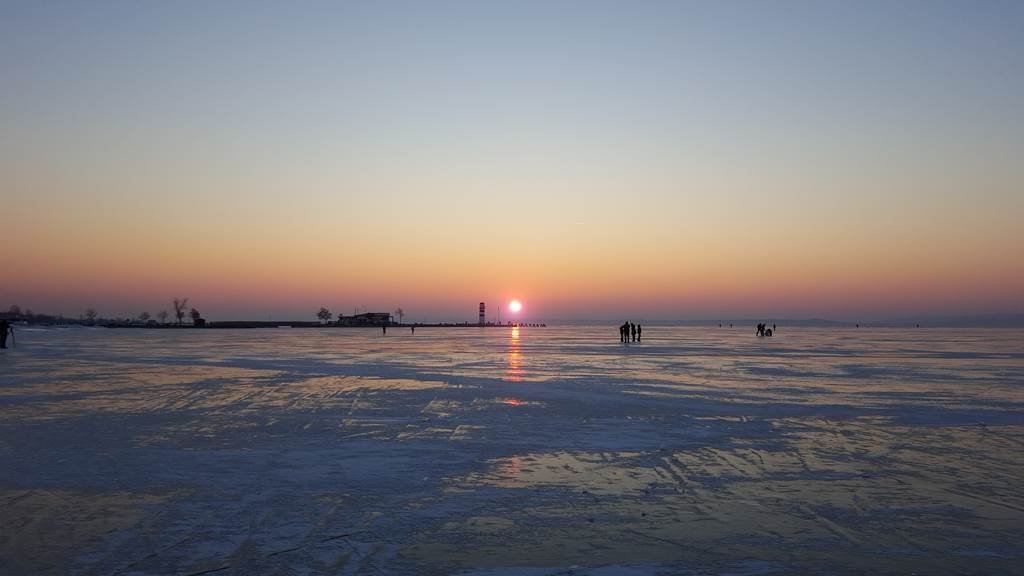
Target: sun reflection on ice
(511, 468)
(515, 372)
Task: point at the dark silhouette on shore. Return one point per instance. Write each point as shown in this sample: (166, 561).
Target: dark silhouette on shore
(413, 328)
(763, 330)
(632, 329)
(5, 328)
(639, 332)
(385, 329)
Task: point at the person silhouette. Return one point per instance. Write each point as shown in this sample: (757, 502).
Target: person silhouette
(639, 332)
(413, 328)
(5, 328)
(385, 328)
(622, 333)
(632, 328)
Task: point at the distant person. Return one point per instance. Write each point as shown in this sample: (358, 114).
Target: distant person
(632, 328)
(624, 331)
(639, 332)
(773, 328)
(385, 329)
(768, 332)
(413, 328)
(760, 330)
(5, 328)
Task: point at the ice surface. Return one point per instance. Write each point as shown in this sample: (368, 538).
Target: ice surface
(497, 452)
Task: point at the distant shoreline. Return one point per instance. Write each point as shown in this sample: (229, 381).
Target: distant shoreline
(305, 324)
(975, 321)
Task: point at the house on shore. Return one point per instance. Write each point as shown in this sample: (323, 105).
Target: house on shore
(366, 319)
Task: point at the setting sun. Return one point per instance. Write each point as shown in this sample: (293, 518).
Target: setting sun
(515, 306)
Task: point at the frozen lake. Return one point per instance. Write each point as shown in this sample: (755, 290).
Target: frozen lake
(499, 451)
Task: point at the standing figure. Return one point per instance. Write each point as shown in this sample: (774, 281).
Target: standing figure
(632, 328)
(639, 332)
(5, 327)
(413, 328)
(384, 327)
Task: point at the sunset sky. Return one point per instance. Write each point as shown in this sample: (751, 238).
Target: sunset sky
(669, 160)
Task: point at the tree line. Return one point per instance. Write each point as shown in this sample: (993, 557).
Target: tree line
(90, 316)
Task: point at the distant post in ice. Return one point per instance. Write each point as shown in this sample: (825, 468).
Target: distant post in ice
(483, 308)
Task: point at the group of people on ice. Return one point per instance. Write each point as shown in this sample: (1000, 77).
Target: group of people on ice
(629, 329)
(764, 330)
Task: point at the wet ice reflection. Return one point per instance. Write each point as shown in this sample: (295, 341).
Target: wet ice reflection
(514, 373)
(344, 451)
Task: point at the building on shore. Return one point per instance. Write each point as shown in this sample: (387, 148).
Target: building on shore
(366, 319)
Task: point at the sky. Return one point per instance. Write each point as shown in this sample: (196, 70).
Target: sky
(650, 160)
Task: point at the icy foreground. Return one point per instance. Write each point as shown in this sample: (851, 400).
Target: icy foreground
(498, 452)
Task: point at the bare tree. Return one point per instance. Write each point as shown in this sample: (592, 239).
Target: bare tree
(400, 313)
(144, 317)
(162, 315)
(90, 314)
(179, 308)
(14, 310)
(324, 315)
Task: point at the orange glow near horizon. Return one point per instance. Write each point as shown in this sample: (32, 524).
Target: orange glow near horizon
(677, 173)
